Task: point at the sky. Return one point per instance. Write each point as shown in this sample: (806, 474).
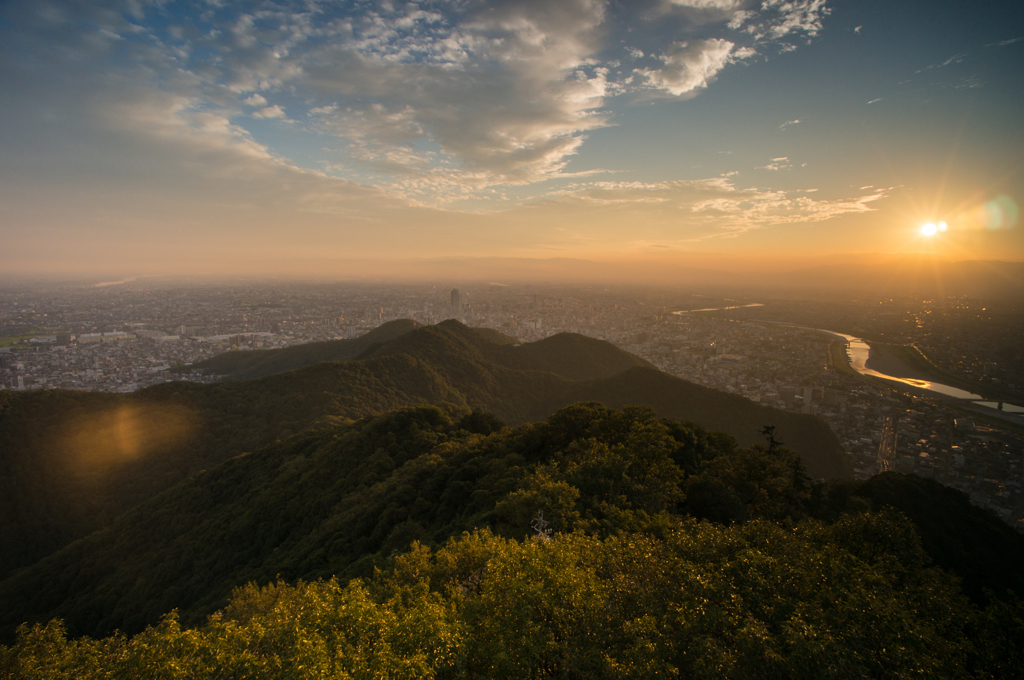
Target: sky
(164, 136)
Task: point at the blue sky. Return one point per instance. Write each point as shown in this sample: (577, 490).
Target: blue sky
(164, 134)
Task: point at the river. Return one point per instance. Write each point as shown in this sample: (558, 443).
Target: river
(718, 309)
(113, 283)
(859, 353)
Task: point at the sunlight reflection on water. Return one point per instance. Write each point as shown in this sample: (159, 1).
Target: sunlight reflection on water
(859, 352)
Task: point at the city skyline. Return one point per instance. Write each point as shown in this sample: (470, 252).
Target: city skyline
(145, 137)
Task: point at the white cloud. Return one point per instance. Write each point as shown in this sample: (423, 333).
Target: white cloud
(781, 163)
(274, 111)
(740, 18)
(795, 16)
(709, 4)
(504, 96)
(788, 123)
(776, 21)
(690, 65)
(695, 210)
(955, 59)
(435, 97)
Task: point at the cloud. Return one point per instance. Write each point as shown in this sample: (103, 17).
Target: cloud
(955, 59)
(144, 163)
(786, 17)
(1004, 43)
(777, 164)
(788, 123)
(434, 101)
(709, 4)
(503, 96)
(696, 210)
(690, 65)
(274, 111)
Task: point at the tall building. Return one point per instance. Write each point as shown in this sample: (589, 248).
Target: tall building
(456, 301)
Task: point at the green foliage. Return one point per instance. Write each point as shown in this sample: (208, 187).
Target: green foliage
(339, 501)
(1000, 629)
(963, 538)
(703, 601)
(318, 630)
(755, 482)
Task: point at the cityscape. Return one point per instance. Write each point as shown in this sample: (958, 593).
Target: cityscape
(125, 336)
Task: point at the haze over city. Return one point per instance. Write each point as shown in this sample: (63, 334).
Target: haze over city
(353, 139)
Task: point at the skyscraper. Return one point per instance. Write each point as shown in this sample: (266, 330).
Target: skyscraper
(456, 301)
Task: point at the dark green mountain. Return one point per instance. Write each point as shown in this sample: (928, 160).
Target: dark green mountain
(959, 536)
(333, 501)
(720, 411)
(72, 462)
(338, 501)
(261, 362)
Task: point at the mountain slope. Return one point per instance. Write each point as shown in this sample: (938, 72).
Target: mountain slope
(328, 502)
(248, 364)
(961, 537)
(70, 462)
(56, 486)
(341, 500)
(673, 397)
(569, 355)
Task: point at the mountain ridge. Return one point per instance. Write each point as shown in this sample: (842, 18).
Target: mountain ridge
(50, 499)
(248, 364)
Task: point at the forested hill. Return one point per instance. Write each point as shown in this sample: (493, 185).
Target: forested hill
(672, 553)
(569, 355)
(72, 462)
(249, 364)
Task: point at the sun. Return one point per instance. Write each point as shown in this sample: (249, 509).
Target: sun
(933, 228)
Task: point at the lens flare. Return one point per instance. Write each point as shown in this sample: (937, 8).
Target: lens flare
(999, 214)
(125, 433)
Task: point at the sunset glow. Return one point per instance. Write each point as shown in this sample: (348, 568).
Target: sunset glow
(160, 137)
